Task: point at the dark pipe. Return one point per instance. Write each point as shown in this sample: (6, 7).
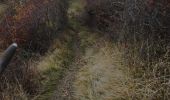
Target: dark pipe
(7, 56)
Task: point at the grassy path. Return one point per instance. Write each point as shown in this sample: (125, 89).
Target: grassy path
(64, 88)
(104, 75)
(97, 73)
(55, 65)
(88, 67)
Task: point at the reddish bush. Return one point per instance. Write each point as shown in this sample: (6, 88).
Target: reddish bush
(32, 22)
(32, 25)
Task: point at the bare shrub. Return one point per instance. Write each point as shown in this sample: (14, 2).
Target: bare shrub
(106, 15)
(32, 22)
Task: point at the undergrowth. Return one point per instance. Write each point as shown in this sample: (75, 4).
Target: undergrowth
(54, 65)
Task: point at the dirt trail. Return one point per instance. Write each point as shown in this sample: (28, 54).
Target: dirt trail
(98, 71)
(96, 74)
(104, 76)
(64, 89)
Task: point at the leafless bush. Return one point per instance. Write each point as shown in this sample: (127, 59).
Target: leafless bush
(33, 21)
(106, 15)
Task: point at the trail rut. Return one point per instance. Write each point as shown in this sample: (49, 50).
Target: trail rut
(96, 74)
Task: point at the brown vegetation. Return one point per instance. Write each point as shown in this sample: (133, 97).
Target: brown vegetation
(139, 30)
(142, 27)
(33, 21)
(33, 25)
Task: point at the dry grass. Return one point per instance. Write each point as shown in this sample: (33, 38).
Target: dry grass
(151, 78)
(104, 77)
(22, 80)
(53, 66)
(19, 82)
(144, 32)
(37, 78)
